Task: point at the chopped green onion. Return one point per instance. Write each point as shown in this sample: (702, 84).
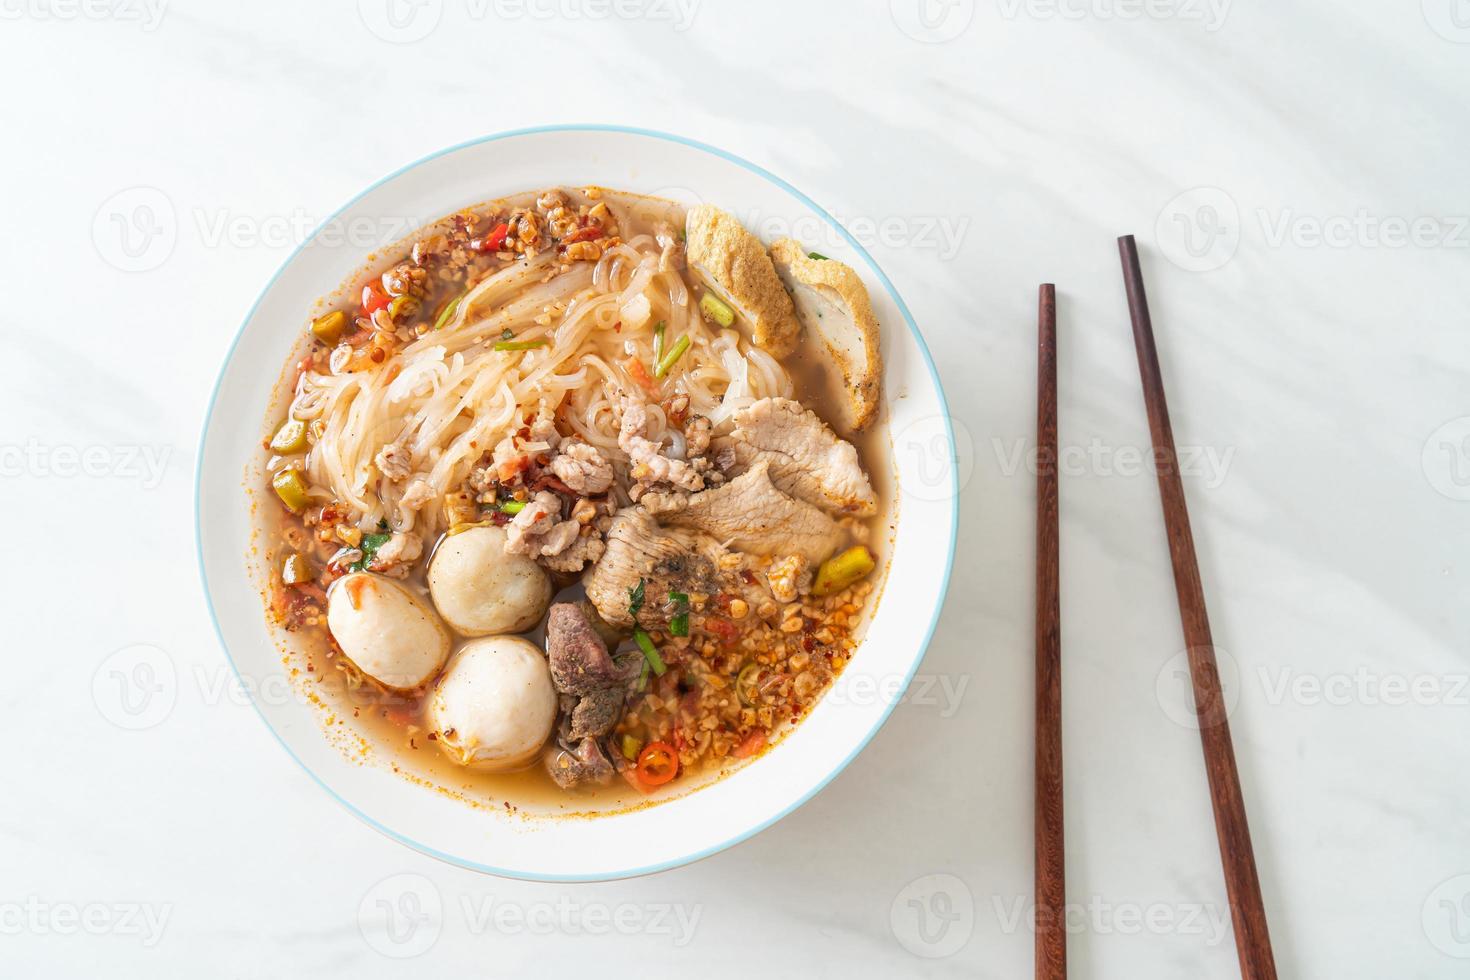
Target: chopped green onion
(519, 344)
(816, 255)
(449, 311)
(658, 342)
(507, 334)
(642, 684)
(679, 624)
(635, 599)
(714, 308)
(369, 547)
(671, 358)
(650, 652)
(511, 507)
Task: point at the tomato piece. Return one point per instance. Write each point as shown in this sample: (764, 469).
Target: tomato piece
(374, 298)
(724, 628)
(590, 233)
(752, 744)
(493, 241)
(657, 764)
(641, 377)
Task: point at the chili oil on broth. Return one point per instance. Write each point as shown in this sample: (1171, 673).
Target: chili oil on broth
(374, 726)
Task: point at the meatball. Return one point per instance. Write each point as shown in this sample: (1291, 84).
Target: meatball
(480, 590)
(388, 632)
(494, 707)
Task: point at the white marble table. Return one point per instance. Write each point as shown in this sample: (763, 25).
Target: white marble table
(1296, 175)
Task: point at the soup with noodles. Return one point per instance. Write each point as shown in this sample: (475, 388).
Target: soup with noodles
(580, 499)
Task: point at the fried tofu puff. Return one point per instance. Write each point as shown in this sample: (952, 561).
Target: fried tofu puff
(832, 304)
(733, 263)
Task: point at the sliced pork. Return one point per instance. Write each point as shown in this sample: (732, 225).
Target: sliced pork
(804, 457)
(749, 514)
(666, 559)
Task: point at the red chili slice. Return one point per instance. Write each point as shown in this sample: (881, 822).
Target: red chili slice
(374, 298)
(657, 764)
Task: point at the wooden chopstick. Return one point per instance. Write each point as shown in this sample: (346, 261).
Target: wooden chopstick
(1252, 939)
(1051, 890)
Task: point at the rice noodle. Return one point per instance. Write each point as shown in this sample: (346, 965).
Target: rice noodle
(448, 398)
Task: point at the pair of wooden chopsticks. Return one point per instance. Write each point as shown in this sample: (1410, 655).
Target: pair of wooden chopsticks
(1252, 939)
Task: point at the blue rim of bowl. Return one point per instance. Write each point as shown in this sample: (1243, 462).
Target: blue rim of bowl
(954, 498)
